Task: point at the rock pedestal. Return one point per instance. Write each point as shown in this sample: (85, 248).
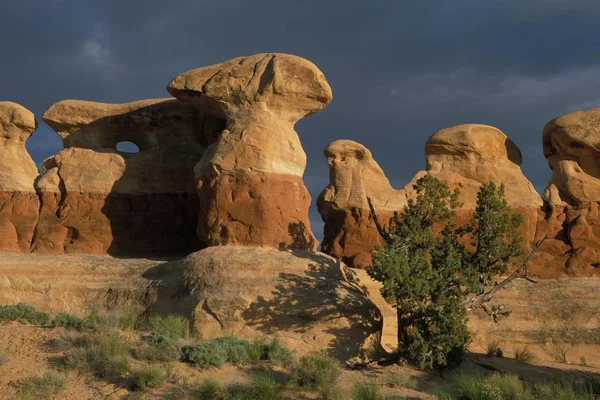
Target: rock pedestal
(19, 203)
(250, 180)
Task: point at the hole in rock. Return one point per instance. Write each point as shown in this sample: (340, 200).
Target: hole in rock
(127, 147)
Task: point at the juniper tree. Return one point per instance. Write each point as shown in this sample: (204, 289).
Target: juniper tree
(429, 266)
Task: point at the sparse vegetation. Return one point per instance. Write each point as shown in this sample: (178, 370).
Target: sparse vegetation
(510, 387)
(45, 387)
(582, 361)
(318, 371)
(216, 352)
(558, 350)
(24, 314)
(364, 390)
(524, 354)
(493, 349)
(4, 356)
(105, 355)
(400, 380)
(147, 377)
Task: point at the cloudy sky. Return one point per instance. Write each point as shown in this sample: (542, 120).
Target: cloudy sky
(400, 70)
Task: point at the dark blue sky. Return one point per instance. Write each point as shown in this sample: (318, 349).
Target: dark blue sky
(399, 70)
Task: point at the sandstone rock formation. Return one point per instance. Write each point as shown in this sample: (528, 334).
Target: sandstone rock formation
(572, 220)
(95, 199)
(309, 300)
(250, 180)
(349, 232)
(19, 204)
(464, 156)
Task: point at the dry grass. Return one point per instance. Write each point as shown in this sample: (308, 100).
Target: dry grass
(524, 354)
(558, 350)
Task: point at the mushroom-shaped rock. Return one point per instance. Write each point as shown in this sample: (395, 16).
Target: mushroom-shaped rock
(354, 175)
(572, 148)
(464, 156)
(19, 204)
(250, 180)
(96, 199)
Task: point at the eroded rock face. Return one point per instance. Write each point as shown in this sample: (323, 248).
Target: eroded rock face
(349, 228)
(96, 199)
(19, 204)
(250, 180)
(463, 156)
(309, 300)
(572, 148)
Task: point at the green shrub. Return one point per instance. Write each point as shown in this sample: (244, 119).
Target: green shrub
(69, 321)
(105, 355)
(114, 319)
(493, 349)
(24, 314)
(524, 354)
(238, 351)
(476, 388)
(172, 326)
(262, 350)
(510, 387)
(262, 387)
(45, 387)
(4, 356)
(150, 352)
(147, 377)
(318, 371)
(400, 380)
(205, 354)
(366, 391)
(564, 390)
(210, 389)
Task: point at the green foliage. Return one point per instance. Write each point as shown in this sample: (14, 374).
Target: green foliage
(45, 387)
(493, 349)
(229, 349)
(69, 321)
(149, 352)
(366, 391)
(147, 377)
(24, 314)
(400, 380)
(318, 371)
(509, 387)
(172, 326)
(4, 356)
(262, 387)
(524, 354)
(427, 270)
(211, 389)
(105, 355)
(205, 355)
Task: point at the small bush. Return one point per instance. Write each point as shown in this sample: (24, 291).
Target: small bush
(147, 377)
(476, 388)
(582, 361)
(110, 320)
(262, 350)
(69, 321)
(558, 351)
(4, 356)
(24, 314)
(317, 370)
(400, 380)
(106, 356)
(524, 354)
(262, 387)
(205, 354)
(45, 387)
(493, 349)
(366, 391)
(564, 390)
(211, 389)
(510, 387)
(150, 352)
(173, 326)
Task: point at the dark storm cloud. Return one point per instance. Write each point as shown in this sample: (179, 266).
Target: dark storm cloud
(399, 70)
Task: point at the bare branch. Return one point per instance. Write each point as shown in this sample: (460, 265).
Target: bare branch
(385, 235)
(478, 301)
